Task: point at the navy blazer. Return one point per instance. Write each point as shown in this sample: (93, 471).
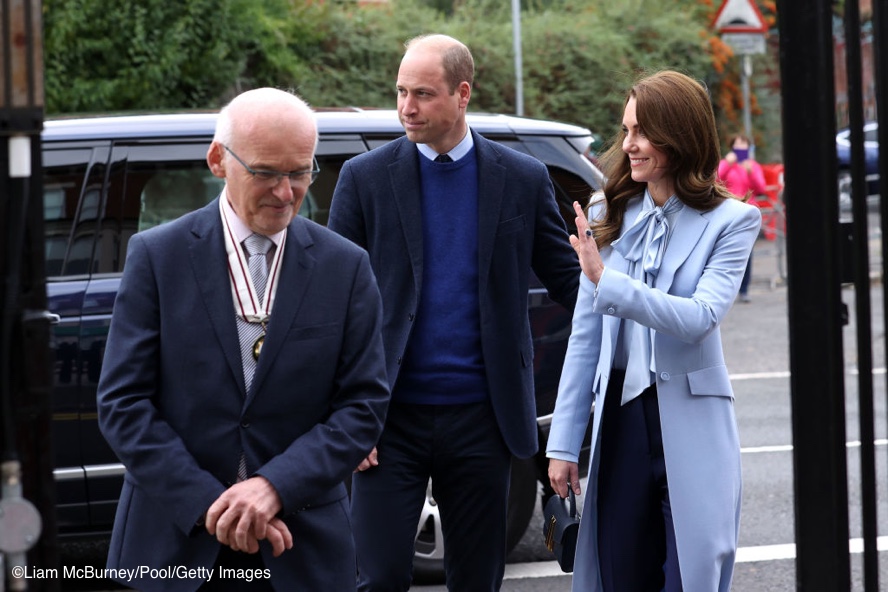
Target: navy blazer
(172, 402)
(377, 204)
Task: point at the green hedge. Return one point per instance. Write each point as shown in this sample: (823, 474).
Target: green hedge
(578, 56)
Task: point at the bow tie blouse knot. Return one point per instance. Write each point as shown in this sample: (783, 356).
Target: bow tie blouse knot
(643, 245)
(645, 241)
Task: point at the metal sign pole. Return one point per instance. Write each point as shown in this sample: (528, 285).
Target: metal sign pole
(519, 67)
(745, 74)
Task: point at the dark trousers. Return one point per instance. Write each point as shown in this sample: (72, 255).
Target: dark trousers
(747, 276)
(460, 448)
(636, 538)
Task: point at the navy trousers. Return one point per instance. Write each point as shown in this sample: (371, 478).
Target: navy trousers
(747, 276)
(460, 448)
(635, 531)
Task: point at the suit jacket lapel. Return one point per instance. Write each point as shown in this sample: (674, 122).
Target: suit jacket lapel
(689, 226)
(297, 268)
(491, 187)
(407, 195)
(207, 245)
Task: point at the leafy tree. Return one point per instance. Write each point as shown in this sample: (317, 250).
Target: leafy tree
(579, 56)
(583, 57)
(117, 54)
(353, 52)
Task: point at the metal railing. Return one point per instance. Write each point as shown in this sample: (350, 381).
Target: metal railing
(819, 253)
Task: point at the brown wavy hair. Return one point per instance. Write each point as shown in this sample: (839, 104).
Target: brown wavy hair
(675, 112)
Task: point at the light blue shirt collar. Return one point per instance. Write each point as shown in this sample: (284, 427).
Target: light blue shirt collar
(239, 227)
(458, 151)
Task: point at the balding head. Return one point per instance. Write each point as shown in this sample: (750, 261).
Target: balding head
(456, 59)
(261, 110)
(263, 131)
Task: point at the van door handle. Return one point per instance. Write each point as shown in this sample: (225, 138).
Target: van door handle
(31, 316)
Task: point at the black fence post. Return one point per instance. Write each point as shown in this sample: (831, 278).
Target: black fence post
(814, 296)
(27, 522)
(862, 304)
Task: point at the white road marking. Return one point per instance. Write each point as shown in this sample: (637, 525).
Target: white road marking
(760, 375)
(787, 374)
(788, 447)
(550, 569)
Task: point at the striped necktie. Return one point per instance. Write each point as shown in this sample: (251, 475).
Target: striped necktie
(257, 248)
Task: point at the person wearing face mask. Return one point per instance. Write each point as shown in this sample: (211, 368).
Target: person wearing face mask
(662, 261)
(744, 178)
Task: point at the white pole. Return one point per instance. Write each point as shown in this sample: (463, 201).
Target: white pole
(19, 157)
(516, 43)
(745, 73)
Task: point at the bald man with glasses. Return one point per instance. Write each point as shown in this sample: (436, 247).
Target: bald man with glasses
(244, 376)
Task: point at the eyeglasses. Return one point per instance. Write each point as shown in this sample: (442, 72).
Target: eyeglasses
(272, 178)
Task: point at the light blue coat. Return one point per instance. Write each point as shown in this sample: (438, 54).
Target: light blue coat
(698, 280)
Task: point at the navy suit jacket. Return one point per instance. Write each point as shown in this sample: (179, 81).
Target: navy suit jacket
(172, 402)
(377, 204)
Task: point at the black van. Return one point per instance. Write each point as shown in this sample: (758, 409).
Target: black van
(107, 178)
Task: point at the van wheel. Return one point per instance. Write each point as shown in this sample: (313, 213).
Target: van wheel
(428, 559)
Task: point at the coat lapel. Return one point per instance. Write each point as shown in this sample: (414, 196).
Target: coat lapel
(407, 193)
(297, 268)
(689, 226)
(491, 188)
(207, 244)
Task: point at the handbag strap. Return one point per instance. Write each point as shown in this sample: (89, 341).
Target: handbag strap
(573, 501)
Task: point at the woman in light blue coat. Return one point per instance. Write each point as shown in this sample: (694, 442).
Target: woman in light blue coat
(662, 263)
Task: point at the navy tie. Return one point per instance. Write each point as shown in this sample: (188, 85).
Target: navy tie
(443, 158)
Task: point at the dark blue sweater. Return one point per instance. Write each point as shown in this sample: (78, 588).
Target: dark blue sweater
(443, 363)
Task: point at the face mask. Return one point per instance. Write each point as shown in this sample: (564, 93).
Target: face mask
(742, 154)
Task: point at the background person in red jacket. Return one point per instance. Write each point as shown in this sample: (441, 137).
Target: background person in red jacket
(744, 178)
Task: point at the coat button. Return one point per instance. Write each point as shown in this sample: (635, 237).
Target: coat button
(611, 310)
(664, 376)
(245, 424)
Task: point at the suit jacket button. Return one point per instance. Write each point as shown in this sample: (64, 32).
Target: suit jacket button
(245, 424)
(411, 316)
(611, 310)
(664, 376)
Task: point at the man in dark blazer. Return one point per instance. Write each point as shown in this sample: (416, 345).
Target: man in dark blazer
(452, 244)
(240, 403)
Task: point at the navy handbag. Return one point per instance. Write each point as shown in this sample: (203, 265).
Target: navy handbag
(560, 527)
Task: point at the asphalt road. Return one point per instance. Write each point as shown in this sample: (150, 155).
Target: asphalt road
(756, 344)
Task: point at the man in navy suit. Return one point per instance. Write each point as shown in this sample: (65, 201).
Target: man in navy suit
(238, 402)
(453, 224)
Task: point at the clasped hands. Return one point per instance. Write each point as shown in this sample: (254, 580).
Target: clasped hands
(245, 514)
